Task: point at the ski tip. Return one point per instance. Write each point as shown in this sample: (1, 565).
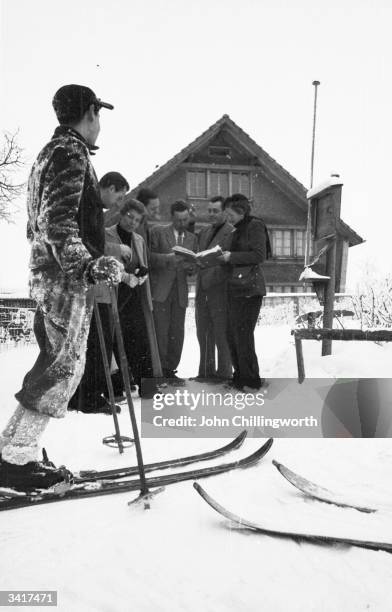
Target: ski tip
(201, 491)
(263, 450)
(268, 444)
(283, 470)
(239, 439)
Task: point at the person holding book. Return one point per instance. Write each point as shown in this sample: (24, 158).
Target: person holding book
(246, 288)
(211, 298)
(169, 286)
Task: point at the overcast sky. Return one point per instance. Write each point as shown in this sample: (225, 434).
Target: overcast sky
(172, 68)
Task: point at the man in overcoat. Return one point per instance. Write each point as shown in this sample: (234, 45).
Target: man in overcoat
(169, 286)
(211, 299)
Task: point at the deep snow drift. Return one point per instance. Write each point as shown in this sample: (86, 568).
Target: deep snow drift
(102, 555)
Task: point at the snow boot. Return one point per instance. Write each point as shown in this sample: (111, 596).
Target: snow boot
(32, 475)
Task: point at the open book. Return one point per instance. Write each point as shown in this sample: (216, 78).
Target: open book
(207, 258)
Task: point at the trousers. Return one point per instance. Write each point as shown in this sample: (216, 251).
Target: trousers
(61, 327)
(243, 313)
(93, 383)
(133, 327)
(169, 318)
(211, 328)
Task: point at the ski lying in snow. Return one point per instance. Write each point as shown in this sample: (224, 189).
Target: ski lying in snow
(89, 475)
(316, 492)
(108, 487)
(309, 537)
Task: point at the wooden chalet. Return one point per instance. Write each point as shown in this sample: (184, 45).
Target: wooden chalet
(225, 160)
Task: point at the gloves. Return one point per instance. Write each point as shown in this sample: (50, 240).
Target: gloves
(105, 269)
(130, 279)
(126, 252)
(142, 279)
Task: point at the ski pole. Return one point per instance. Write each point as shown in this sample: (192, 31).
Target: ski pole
(144, 492)
(109, 383)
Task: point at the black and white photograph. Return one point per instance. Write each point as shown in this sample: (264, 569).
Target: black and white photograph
(195, 305)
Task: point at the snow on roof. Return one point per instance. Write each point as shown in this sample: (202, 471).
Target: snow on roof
(331, 181)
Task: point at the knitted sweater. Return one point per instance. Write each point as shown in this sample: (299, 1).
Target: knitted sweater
(65, 216)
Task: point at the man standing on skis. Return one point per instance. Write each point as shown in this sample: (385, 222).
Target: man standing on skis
(66, 232)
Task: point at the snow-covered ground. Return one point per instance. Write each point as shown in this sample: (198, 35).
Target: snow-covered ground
(102, 555)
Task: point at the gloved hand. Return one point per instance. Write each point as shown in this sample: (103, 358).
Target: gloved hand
(126, 252)
(130, 279)
(105, 269)
(142, 279)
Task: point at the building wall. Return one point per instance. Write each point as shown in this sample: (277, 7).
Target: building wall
(274, 206)
(268, 201)
(171, 189)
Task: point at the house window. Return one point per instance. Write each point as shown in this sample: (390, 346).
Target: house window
(219, 152)
(197, 184)
(219, 183)
(281, 241)
(299, 243)
(240, 183)
(289, 243)
(209, 183)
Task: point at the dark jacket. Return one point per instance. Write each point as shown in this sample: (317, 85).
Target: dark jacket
(166, 271)
(249, 249)
(113, 244)
(215, 275)
(65, 216)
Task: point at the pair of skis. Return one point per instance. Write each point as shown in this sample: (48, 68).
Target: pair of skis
(307, 537)
(312, 490)
(93, 484)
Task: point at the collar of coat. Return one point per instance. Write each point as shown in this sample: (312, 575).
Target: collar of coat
(243, 222)
(66, 130)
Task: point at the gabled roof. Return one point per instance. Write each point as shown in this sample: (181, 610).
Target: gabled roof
(349, 233)
(273, 171)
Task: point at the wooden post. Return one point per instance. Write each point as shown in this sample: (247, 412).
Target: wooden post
(300, 359)
(329, 299)
(327, 199)
(379, 335)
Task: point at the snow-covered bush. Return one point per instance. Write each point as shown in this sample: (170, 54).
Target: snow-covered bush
(372, 301)
(281, 314)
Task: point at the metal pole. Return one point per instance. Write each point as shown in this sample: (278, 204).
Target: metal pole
(109, 383)
(144, 492)
(309, 219)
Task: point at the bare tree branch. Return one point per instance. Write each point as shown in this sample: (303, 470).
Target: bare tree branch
(11, 161)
